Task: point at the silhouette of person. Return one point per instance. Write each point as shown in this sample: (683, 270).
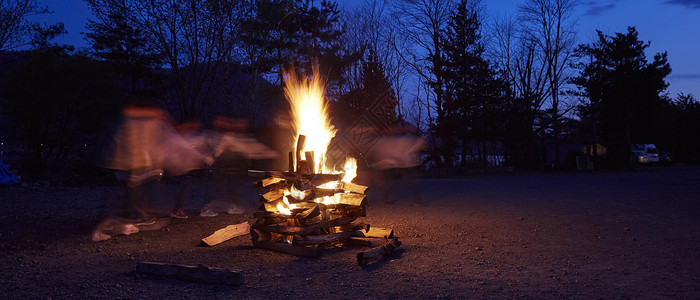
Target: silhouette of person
(397, 156)
(231, 148)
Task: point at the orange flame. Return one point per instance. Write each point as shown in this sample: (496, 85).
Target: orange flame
(310, 113)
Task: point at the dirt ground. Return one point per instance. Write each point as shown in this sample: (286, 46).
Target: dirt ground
(541, 236)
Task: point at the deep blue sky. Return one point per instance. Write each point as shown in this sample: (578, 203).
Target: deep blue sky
(670, 25)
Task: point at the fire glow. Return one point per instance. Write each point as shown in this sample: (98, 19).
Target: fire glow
(312, 205)
(310, 114)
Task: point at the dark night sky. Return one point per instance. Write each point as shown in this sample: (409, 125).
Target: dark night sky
(670, 25)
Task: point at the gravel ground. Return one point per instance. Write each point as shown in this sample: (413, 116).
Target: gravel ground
(542, 236)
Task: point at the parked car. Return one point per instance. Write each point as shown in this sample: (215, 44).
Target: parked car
(645, 153)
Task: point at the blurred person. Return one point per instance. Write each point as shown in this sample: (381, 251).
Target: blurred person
(231, 148)
(136, 152)
(145, 147)
(191, 133)
(397, 156)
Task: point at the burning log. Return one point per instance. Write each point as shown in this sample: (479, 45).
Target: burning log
(198, 273)
(378, 253)
(353, 199)
(355, 188)
(273, 195)
(308, 207)
(313, 228)
(227, 233)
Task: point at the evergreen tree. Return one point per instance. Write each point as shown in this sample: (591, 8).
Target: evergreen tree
(278, 32)
(623, 90)
(116, 38)
(375, 94)
(472, 95)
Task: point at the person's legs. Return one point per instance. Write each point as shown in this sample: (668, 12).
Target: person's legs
(413, 179)
(383, 180)
(184, 184)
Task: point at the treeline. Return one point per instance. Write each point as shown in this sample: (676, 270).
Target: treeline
(477, 87)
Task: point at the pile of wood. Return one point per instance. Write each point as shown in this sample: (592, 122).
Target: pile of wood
(293, 218)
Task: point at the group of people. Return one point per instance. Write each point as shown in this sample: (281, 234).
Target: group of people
(149, 146)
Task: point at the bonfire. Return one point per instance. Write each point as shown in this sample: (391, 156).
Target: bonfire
(314, 204)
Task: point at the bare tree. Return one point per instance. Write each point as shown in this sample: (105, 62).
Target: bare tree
(197, 39)
(368, 30)
(549, 26)
(517, 58)
(15, 29)
(419, 27)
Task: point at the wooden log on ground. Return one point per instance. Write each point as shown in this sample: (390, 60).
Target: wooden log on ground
(288, 249)
(227, 233)
(376, 232)
(360, 242)
(376, 254)
(198, 273)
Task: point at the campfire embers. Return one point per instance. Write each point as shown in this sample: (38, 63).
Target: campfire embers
(305, 211)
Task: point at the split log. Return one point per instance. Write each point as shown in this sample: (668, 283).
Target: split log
(376, 232)
(319, 179)
(352, 199)
(360, 242)
(289, 249)
(313, 228)
(198, 273)
(321, 192)
(265, 174)
(227, 233)
(377, 254)
(270, 181)
(301, 142)
(310, 162)
(353, 227)
(320, 239)
(257, 235)
(309, 213)
(355, 188)
(273, 195)
(291, 161)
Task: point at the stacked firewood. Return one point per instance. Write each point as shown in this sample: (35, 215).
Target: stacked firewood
(306, 225)
(304, 211)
